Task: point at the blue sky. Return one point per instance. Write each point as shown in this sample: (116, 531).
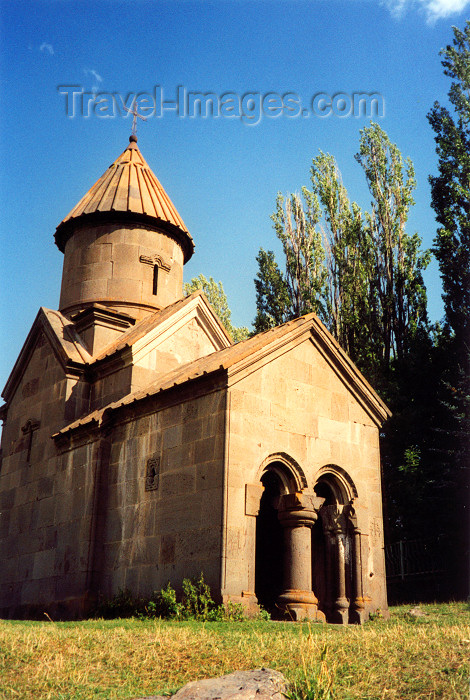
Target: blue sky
(222, 173)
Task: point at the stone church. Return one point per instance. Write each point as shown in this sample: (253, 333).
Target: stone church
(140, 446)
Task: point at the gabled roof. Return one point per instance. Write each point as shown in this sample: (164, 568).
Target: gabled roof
(232, 361)
(64, 340)
(128, 187)
(166, 319)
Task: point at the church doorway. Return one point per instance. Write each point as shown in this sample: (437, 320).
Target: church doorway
(269, 543)
(334, 555)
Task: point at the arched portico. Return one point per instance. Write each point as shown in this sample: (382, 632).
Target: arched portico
(336, 548)
(283, 572)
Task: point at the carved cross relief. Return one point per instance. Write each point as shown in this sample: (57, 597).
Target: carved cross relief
(152, 474)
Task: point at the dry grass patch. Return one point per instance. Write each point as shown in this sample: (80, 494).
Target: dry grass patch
(401, 658)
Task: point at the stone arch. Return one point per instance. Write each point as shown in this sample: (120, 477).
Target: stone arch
(279, 474)
(335, 553)
(334, 483)
(287, 469)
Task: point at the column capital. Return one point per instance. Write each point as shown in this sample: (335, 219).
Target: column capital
(351, 515)
(333, 518)
(299, 509)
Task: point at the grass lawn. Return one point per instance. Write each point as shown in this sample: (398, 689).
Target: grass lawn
(399, 658)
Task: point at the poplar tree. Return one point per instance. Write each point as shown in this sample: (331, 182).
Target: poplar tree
(399, 293)
(281, 296)
(360, 272)
(450, 190)
(349, 315)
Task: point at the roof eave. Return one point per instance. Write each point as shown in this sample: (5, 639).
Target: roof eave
(68, 227)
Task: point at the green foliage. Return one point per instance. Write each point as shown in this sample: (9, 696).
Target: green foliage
(272, 294)
(451, 187)
(397, 291)
(164, 604)
(360, 272)
(218, 300)
(295, 223)
(450, 191)
(195, 603)
(263, 614)
(412, 459)
(301, 289)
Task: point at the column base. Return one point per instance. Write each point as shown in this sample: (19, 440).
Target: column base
(300, 605)
(341, 611)
(358, 615)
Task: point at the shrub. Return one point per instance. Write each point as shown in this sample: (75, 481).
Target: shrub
(196, 603)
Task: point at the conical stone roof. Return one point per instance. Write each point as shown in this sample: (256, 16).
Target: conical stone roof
(127, 190)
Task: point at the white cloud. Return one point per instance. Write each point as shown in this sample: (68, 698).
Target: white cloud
(433, 9)
(47, 47)
(97, 79)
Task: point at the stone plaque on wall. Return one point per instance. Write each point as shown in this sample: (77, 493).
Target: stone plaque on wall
(253, 493)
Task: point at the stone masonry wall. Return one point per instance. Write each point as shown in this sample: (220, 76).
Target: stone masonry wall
(103, 264)
(173, 530)
(43, 504)
(297, 405)
(188, 343)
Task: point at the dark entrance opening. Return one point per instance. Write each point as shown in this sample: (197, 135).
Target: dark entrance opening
(325, 550)
(269, 544)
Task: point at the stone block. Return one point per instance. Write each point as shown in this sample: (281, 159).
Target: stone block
(167, 549)
(4, 523)
(93, 289)
(205, 450)
(199, 544)
(23, 567)
(70, 586)
(195, 429)
(46, 512)
(172, 436)
(178, 457)
(38, 592)
(95, 271)
(124, 289)
(172, 415)
(114, 525)
(148, 580)
(44, 487)
(125, 252)
(209, 475)
(43, 566)
(175, 514)
(332, 430)
(178, 483)
(340, 406)
(7, 499)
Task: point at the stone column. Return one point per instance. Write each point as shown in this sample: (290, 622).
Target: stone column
(334, 524)
(330, 573)
(358, 612)
(297, 514)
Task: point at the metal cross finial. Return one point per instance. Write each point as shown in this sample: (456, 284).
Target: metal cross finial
(136, 114)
